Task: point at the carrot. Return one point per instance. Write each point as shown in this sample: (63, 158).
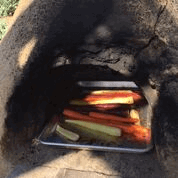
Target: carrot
(111, 100)
(113, 93)
(112, 117)
(103, 97)
(130, 129)
(121, 111)
(76, 115)
(98, 117)
(134, 132)
(106, 97)
(104, 107)
(139, 138)
(142, 137)
(72, 115)
(102, 92)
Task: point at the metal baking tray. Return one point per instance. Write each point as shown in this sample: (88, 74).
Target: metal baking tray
(145, 112)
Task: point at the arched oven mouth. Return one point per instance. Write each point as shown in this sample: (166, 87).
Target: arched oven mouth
(122, 104)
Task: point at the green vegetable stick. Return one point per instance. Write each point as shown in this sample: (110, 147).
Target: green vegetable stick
(66, 133)
(98, 127)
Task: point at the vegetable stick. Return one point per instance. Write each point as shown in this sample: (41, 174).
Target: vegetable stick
(100, 98)
(101, 128)
(139, 138)
(115, 100)
(90, 135)
(101, 92)
(119, 110)
(49, 129)
(135, 132)
(134, 114)
(72, 115)
(137, 135)
(130, 129)
(104, 107)
(100, 107)
(114, 93)
(98, 118)
(94, 120)
(67, 134)
(112, 117)
(76, 115)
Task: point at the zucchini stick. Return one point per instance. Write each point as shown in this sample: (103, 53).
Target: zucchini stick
(97, 127)
(67, 134)
(90, 135)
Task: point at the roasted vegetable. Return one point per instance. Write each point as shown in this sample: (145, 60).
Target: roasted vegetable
(114, 93)
(98, 112)
(49, 129)
(115, 100)
(67, 134)
(97, 117)
(135, 114)
(78, 116)
(112, 118)
(135, 132)
(109, 97)
(97, 127)
(105, 107)
(88, 135)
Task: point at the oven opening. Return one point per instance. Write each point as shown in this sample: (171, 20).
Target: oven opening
(106, 115)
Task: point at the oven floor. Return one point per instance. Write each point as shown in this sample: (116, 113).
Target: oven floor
(48, 162)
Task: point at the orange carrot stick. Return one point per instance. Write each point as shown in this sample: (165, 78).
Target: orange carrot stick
(135, 132)
(141, 138)
(112, 117)
(104, 107)
(78, 116)
(104, 118)
(101, 107)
